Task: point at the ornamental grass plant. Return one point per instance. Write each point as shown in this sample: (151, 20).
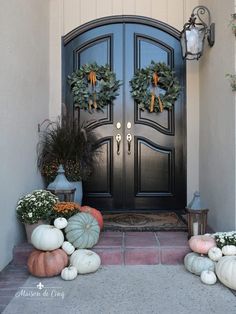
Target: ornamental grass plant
(36, 206)
(73, 147)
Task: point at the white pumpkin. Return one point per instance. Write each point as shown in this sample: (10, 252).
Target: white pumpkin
(226, 271)
(85, 261)
(215, 254)
(208, 277)
(196, 263)
(68, 247)
(47, 238)
(60, 222)
(69, 273)
(229, 250)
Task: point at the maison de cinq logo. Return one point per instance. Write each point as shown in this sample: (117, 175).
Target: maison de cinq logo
(40, 291)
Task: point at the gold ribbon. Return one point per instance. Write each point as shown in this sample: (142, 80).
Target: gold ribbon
(92, 78)
(152, 102)
(94, 101)
(160, 103)
(155, 78)
(90, 103)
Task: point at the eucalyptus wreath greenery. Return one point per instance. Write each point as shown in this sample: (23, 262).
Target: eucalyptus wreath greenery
(73, 147)
(36, 206)
(155, 87)
(93, 86)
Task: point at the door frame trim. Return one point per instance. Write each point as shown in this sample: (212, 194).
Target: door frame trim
(120, 19)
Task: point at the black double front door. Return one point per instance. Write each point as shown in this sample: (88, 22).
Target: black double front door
(142, 162)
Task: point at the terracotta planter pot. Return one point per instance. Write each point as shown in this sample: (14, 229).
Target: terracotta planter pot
(29, 228)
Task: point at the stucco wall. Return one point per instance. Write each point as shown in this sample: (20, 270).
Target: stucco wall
(24, 97)
(65, 15)
(217, 121)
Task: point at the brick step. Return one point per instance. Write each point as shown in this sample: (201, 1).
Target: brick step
(130, 248)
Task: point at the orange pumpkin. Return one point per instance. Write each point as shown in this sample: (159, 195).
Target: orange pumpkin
(95, 213)
(201, 243)
(47, 264)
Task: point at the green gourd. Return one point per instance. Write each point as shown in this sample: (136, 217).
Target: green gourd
(82, 230)
(196, 263)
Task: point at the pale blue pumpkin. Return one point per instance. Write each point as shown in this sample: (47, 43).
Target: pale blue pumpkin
(82, 231)
(195, 263)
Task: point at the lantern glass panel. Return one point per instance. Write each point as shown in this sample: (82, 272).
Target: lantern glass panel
(197, 221)
(195, 39)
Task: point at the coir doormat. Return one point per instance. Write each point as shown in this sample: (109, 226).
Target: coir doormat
(144, 222)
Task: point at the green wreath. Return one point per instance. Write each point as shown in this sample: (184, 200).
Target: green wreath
(93, 86)
(155, 87)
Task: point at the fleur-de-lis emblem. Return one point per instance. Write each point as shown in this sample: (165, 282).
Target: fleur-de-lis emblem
(40, 286)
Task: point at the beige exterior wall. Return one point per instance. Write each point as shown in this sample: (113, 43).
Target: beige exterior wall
(217, 121)
(65, 15)
(24, 97)
(235, 117)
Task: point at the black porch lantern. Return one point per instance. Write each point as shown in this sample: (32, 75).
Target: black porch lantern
(194, 32)
(197, 216)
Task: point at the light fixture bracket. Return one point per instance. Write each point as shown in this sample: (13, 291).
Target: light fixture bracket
(198, 27)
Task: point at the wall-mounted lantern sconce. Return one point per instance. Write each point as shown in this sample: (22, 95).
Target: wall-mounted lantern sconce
(194, 32)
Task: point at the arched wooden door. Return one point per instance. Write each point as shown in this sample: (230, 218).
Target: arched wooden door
(152, 175)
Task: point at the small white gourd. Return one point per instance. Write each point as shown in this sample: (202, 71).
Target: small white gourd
(69, 273)
(229, 250)
(215, 254)
(208, 277)
(60, 222)
(68, 247)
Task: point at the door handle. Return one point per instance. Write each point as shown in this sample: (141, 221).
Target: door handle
(118, 140)
(129, 139)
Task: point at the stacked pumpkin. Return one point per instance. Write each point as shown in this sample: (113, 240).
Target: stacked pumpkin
(51, 255)
(208, 262)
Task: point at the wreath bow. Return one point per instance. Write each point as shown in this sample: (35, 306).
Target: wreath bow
(92, 78)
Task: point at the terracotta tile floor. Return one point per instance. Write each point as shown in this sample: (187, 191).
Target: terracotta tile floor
(131, 248)
(142, 248)
(114, 248)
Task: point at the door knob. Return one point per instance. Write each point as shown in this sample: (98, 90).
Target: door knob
(118, 125)
(129, 139)
(118, 140)
(129, 125)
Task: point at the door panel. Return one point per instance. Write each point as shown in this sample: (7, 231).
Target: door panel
(149, 173)
(104, 46)
(150, 158)
(103, 172)
(156, 163)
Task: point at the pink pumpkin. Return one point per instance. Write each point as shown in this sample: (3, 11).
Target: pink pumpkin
(201, 243)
